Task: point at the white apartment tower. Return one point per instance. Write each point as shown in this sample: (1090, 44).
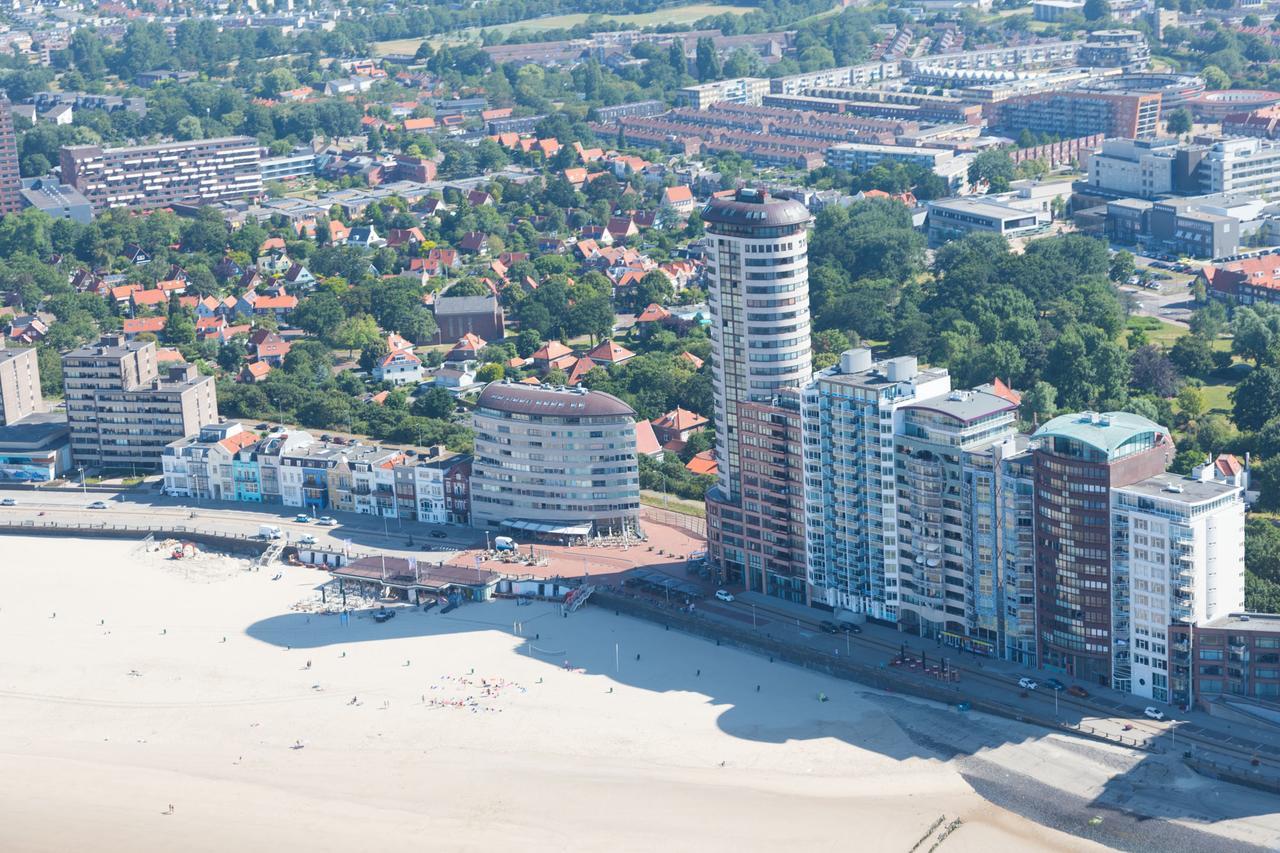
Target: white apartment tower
(850, 414)
(1178, 558)
(758, 273)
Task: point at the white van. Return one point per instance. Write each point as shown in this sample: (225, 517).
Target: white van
(269, 531)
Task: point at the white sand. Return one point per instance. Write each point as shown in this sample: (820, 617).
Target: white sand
(93, 755)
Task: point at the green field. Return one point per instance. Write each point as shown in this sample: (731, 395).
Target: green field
(674, 15)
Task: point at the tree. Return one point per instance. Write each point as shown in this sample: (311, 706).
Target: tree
(1179, 121)
(1191, 402)
(1152, 371)
(1256, 400)
(1096, 10)
(706, 60)
(355, 333)
(994, 166)
(1122, 266)
(372, 352)
(1256, 332)
(50, 365)
(437, 402)
(490, 372)
(1192, 355)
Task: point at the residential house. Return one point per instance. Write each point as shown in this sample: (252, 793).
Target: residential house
(679, 199)
(254, 371)
(398, 367)
(675, 427)
(134, 326)
(365, 236)
(608, 353)
(553, 355)
(474, 243)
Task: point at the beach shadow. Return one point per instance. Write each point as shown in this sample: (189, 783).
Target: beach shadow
(887, 723)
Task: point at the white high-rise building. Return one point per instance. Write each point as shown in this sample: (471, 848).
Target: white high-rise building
(1178, 553)
(850, 414)
(758, 275)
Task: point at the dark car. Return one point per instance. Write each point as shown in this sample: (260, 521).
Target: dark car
(263, 426)
(1054, 684)
(439, 534)
(1077, 690)
(827, 627)
(384, 615)
(850, 628)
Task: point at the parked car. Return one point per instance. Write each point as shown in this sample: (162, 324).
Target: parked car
(303, 518)
(98, 505)
(1077, 690)
(1027, 684)
(264, 427)
(1054, 684)
(850, 628)
(439, 534)
(828, 627)
(8, 502)
(326, 521)
(1153, 712)
(306, 539)
(724, 595)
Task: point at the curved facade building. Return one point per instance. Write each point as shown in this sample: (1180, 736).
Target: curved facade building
(1081, 603)
(758, 273)
(559, 461)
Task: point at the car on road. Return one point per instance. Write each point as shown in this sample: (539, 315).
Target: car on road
(439, 534)
(306, 539)
(8, 502)
(850, 628)
(97, 505)
(1078, 691)
(326, 521)
(303, 518)
(1027, 684)
(1152, 712)
(1054, 684)
(828, 627)
(724, 595)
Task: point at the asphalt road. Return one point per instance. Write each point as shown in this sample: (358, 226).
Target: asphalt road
(141, 506)
(1104, 710)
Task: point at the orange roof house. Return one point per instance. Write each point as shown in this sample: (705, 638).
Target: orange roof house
(703, 463)
(553, 355)
(608, 352)
(646, 443)
(678, 425)
(654, 313)
(691, 359)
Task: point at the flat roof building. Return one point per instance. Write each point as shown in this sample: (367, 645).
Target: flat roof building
(20, 393)
(949, 219)
(1177, 558)
(122, 412)
(200, 171)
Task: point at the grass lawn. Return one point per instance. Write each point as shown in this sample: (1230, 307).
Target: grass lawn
(673, 503)
(1217, 398)
(674, 15)
(1157, 331)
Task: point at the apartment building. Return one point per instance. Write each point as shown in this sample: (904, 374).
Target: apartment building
(1241, 166)
(10, 177)
(738, 90)
(1017, 554)
(558, 461)
(123, 412)
(850, 415)
(1135, 168)
(947, 535)
(1231, 660)
(20, 394)
(1078, 459)
(759, 540)
(1075, 113)
(198, 171)
(1177, 559)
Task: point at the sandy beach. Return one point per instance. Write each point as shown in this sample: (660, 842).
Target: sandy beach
(119, 697)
